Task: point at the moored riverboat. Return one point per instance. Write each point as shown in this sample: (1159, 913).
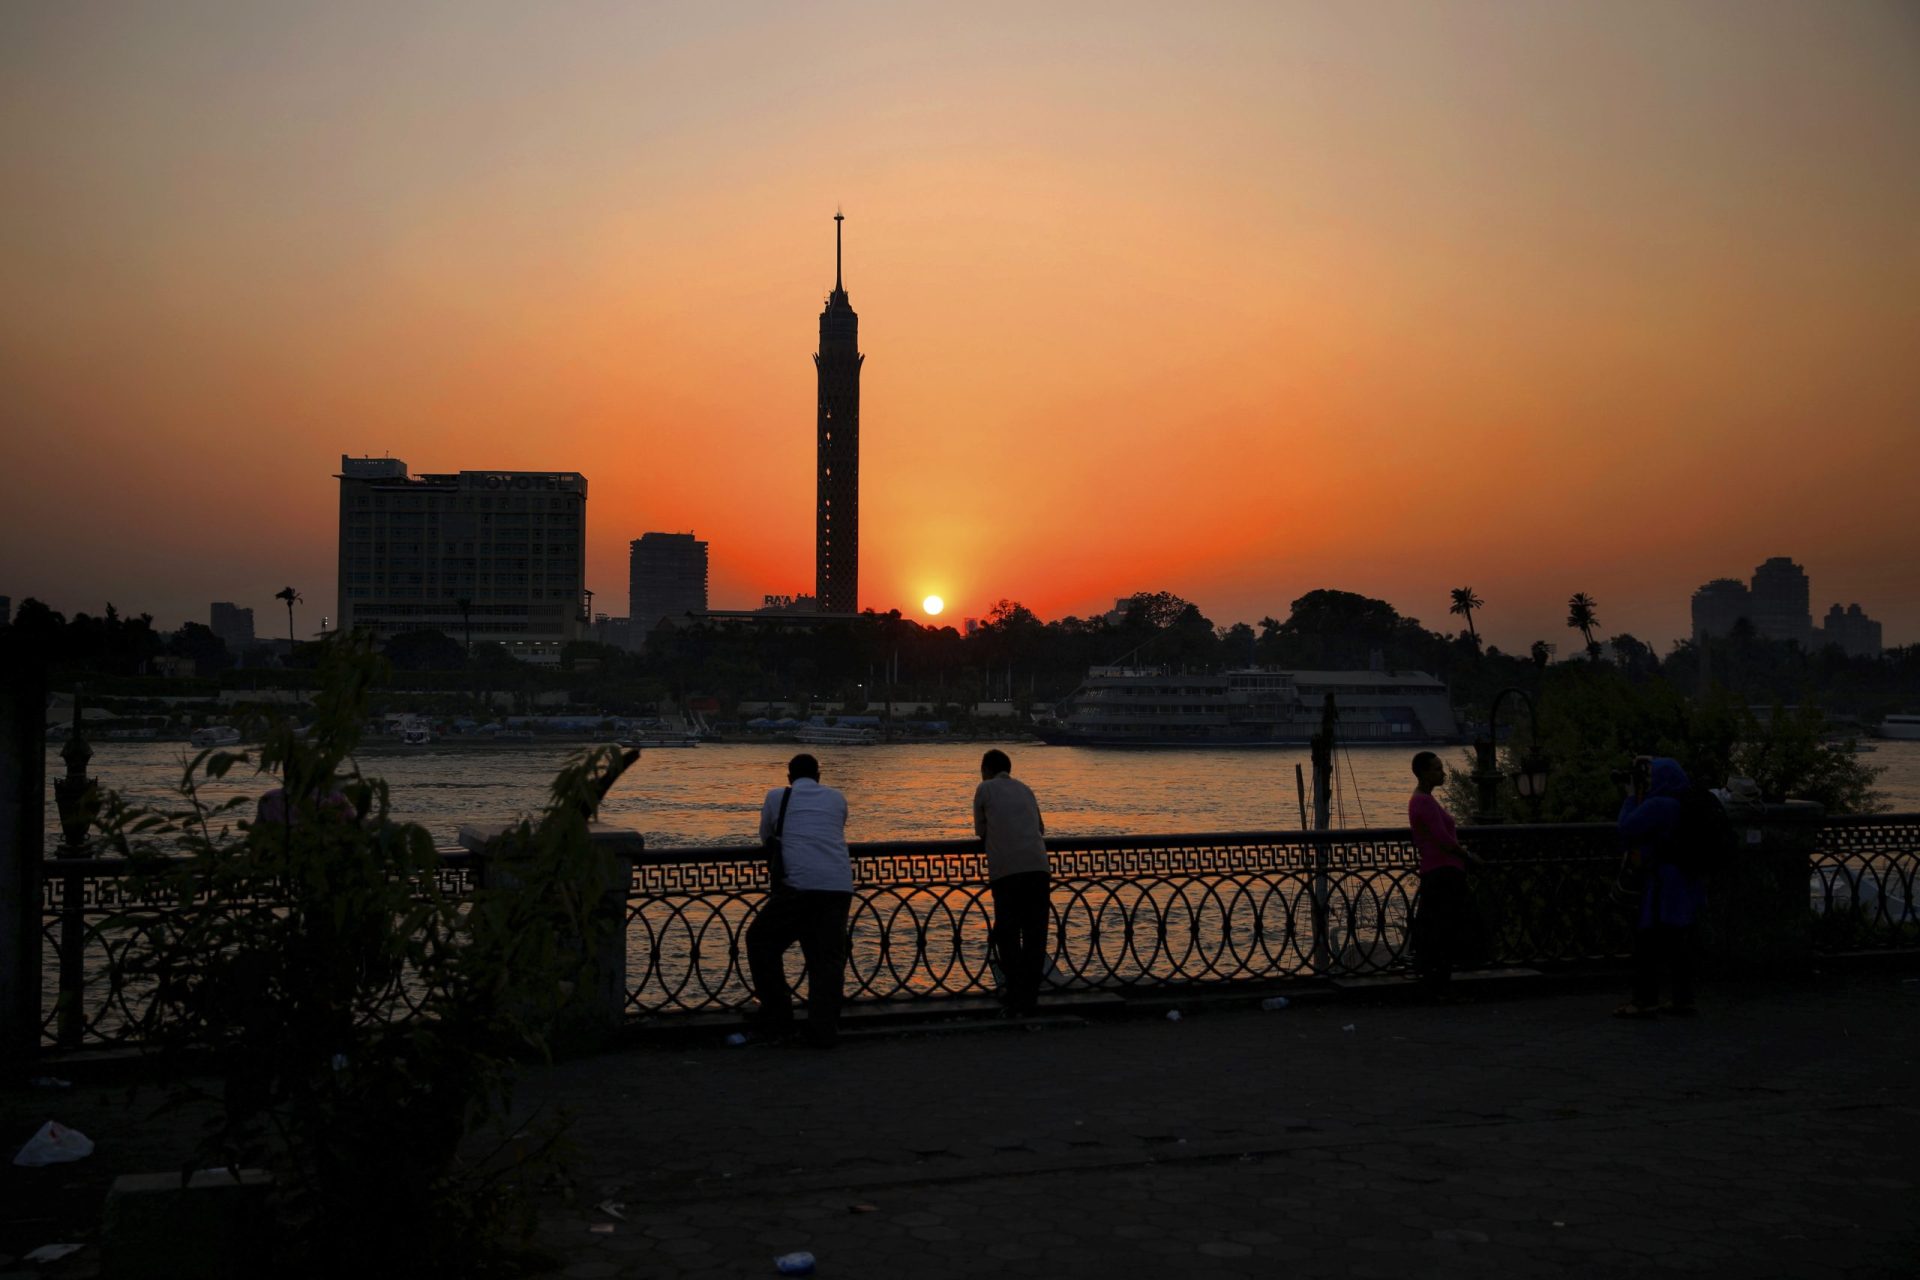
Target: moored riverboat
(1905, 727)
(1249, 707)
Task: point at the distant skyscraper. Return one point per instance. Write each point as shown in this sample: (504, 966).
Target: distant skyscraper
(1718, 605)
(233, 625)
(836, 520)
(510, 544)
(6, 610)
(666, 579)
(1780, 608)
(1857, 635)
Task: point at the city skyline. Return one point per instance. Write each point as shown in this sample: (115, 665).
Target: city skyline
(1607, 299)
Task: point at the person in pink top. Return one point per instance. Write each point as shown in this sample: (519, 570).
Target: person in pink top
(1445, 928)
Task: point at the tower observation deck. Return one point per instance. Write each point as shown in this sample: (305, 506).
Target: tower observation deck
(836, 519)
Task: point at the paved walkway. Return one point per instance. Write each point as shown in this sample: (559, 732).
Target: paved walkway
(1775, 1135)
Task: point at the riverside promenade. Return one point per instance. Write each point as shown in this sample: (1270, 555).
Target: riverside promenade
(1521, 1134)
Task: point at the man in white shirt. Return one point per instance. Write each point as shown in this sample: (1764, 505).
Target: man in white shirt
(1007, 819)
(808, 905)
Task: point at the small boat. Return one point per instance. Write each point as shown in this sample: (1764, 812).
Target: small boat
(215, 735)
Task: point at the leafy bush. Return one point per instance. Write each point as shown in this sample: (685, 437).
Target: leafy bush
(1594, 719)
(360, 1014)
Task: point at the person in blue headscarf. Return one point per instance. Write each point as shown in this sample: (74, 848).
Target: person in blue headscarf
(1670, 898)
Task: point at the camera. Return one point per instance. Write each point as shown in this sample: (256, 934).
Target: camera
(1636, 773)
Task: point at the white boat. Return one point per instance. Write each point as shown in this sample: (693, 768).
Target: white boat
(1249, 707)
(215, 735)
(1900, 726)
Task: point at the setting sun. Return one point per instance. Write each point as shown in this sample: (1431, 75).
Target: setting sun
(932, 605)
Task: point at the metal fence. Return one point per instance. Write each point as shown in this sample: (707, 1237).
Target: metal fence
(1129, 914)
(1864, 883)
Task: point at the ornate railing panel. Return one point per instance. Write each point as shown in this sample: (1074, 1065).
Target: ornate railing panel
(1864, 886)
(92, 917)
(1129, 913)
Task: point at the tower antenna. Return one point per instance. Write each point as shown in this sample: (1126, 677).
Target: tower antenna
(838, 217)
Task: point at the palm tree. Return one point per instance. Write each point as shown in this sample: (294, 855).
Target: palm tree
(1580, 616)
(1542, 654)
(1464, 603)
(465, 606)
(292, 598)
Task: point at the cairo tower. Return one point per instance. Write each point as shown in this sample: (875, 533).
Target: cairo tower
(836, 517)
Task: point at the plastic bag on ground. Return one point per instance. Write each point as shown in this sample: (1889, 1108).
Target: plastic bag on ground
(54, 1144)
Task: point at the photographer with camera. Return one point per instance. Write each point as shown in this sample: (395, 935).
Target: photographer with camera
(1671, 896)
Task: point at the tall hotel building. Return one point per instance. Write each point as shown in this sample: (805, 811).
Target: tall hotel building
(501, 554)
(836, 519)
(666, 580)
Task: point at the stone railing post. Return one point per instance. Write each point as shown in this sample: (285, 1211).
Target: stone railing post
(598, 1007)
(23, 787)
(1758, 924)
(77, 798)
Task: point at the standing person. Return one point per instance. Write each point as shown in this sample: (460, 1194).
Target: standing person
(808, 905)
(1007, 819)
(1670, 897)
(1444, 924)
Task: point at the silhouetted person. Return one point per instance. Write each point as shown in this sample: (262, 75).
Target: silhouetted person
(1445, 928)
(1670, 898)
(808, 905)
(1007, 819)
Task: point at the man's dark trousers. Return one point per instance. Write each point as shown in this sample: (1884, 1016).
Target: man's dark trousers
(817, 920)
(1021, 912)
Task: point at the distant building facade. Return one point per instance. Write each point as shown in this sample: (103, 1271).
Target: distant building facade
(1851, 631)
(614, 632)
(511, 545)
(1718, 605)
(1782, 602)
(666, 580)
(836, 520)
(233, 625)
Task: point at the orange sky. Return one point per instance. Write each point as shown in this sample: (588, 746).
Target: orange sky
(1232, 300)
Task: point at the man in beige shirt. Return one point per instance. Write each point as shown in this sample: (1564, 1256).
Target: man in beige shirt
(1007, 819)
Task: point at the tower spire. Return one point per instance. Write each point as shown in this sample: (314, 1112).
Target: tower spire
(838, 217)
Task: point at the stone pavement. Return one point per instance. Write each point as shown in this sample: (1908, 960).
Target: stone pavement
(1774, 1135)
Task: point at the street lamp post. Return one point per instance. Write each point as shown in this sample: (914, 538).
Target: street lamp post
(1530, 783)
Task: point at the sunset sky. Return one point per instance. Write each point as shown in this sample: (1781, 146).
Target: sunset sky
(1229, 300)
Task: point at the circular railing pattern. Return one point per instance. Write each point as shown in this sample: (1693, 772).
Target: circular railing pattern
(1128, 914)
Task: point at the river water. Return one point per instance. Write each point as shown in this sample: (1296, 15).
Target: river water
(710, 795)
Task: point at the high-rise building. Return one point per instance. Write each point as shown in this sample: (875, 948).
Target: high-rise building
(1718, 605)
(1856, 635)
(6, 610)
(233, 625)
(1780, 607)
(500, 555)
(666, 580)
(836, 520)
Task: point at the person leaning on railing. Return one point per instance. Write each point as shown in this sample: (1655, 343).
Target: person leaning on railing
(1007, 819)
(1445, 929)
(807, 903)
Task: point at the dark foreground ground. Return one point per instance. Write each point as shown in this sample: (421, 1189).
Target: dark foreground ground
(1777, 1134)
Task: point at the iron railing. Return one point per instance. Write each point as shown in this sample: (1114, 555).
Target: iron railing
(1864, 884)
(1129, 914)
